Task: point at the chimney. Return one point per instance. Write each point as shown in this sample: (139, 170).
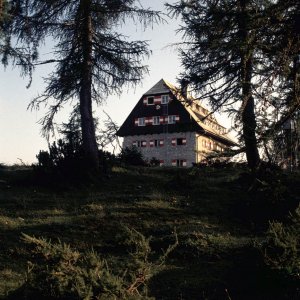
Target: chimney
(184, 88)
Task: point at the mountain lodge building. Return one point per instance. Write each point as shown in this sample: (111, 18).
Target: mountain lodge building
(173, 128)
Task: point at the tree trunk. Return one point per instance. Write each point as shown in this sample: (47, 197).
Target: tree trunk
(87, 122)
(249, 128)
(248, 111)
(1, 9)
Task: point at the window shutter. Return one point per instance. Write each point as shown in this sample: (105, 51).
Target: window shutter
(144, 144)
(174, 162)
(161, 143)
(161, 120)
(157, 100)
(136, 122)
(134, 143)
(184, 141)
(184, 162)
(151, 143)
(148, 121)
(177, 118)
(145, 101)
(173, 142)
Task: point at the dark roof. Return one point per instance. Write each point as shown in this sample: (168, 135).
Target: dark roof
(159, 88)
(191, 115)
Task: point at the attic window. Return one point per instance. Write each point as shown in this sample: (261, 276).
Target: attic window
(164, 99)
(141, 121)
(171, 119)
(150, 100)
(156, 120)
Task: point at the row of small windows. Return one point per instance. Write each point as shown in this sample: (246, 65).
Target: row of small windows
(164, 99)
(211, 146)
(215, 126)
(175, 162)
(159, 143)
(156, 120)
(152, 143)
(152, 100)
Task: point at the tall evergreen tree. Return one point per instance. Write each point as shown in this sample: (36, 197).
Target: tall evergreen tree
(7, 52)
(92, 59)
(283, 57)
(229, 58)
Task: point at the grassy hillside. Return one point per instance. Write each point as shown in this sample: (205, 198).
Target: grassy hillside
(216, 256)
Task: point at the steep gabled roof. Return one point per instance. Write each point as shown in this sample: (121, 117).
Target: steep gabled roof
(197, 112)
(161, 87)
(192, 115)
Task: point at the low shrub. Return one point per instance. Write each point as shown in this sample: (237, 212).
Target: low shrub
(282, 246)
(61, 272)
(154, 162)
(270, 196)
(132, 156)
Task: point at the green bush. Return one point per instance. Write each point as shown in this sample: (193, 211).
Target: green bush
(154, 162)
(282, 246)
(132, 156)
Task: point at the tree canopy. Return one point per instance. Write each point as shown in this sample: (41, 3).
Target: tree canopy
(239, 54)
(91, 58)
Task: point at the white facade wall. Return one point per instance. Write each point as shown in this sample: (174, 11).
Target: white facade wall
(170, 154)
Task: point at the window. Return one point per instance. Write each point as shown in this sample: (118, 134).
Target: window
(141, 121)
(156, 120)
(164, 99)
(171, 119)
(179, 162)
(150, 100)
(179, 141)
(140, 144)
(136, 144)
(156, 143)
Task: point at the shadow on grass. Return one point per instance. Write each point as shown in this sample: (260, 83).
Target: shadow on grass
(240, 274)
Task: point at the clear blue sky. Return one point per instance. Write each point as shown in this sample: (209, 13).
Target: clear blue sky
(19, 132)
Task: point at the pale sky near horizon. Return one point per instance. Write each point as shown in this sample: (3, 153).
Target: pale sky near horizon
(20, 136)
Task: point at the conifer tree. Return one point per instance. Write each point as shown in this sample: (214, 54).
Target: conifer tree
(229, 55)
(91, 58)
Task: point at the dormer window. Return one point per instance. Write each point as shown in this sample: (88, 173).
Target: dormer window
(164, 99)
(150, 100)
